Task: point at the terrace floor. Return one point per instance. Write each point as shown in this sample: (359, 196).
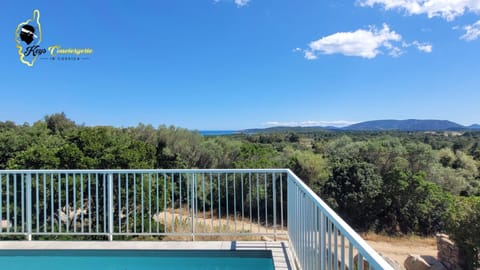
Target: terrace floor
(280, 251)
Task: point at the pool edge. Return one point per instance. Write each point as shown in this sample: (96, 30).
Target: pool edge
(280, 250)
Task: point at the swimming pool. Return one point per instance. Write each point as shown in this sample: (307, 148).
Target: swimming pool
(136, 259)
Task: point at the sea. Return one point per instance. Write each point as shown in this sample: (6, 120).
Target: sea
(217, 132)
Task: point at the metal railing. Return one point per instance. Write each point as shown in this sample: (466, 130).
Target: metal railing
(320, 238)
(143, 203)
(114, 204)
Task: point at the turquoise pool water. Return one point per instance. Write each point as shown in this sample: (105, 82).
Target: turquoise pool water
(135, 259)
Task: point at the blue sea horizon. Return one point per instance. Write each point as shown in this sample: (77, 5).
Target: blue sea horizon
(217, 132)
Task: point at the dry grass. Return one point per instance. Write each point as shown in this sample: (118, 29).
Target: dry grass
(398, 248)
(181, 222)
(405, 239)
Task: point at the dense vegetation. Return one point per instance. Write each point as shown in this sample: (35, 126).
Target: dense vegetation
(391, 182)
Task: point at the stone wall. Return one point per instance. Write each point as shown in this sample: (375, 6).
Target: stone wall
(448, 253)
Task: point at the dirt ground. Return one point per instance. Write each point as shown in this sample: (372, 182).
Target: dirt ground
(398, 248)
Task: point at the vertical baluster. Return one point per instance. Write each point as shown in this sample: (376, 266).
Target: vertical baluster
(317, 238)
(258, 204)
(322, 241)
(330, 253)
(15, 202)
(44, 203)
(142, 203)
(311, 242)
(195, 197)
(110, 207)
(22, 203)
(67, 207)
(281, 201)
(313, 226)
(250, 199)
(350, 255)
(28, 189)
(226, 191)
(173, 202)
(37, 202)
(89, 203)
(234, 204)
(157, 211)
(74, 205)
(243, 207)
(52, 204)
(82, 209)
(211, 201)
(204, 208)
(127, 205)
(119, 199)
(189, 203)
(274, 206)
(134, 202)
(105, 209)
(360, 261)
(304, 229)
(219, 203)
(265, 199)
(180, 200)
(7, 195)
(342, 253)
(298, 224)
(150, 203)
(59, 203)
(165, 201)
(96, 203)
(335, 245)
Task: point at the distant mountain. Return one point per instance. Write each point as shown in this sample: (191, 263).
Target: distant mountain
(286, 129)
(407, 125)
(375, 125)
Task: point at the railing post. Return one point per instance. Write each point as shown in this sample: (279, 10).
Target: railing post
(110, 207)
(192, 197)
(274, 208)
(28, 189)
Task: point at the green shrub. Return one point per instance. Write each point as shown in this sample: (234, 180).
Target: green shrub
(464, 229)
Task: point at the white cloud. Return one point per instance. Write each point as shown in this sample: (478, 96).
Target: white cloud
(241, 3)
(309, 123)
(310, 55)
(424, 47)
(362, 43)
(447, 9)
(472, 32)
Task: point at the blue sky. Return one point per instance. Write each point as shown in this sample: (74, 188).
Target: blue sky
(234, 64)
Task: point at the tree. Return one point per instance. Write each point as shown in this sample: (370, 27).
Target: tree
(409, 203)
(309, 167)
(59, 123)
(420, 157)
(353, 190)
(256, 156)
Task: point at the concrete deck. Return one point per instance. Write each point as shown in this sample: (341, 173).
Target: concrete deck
(280, 251)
